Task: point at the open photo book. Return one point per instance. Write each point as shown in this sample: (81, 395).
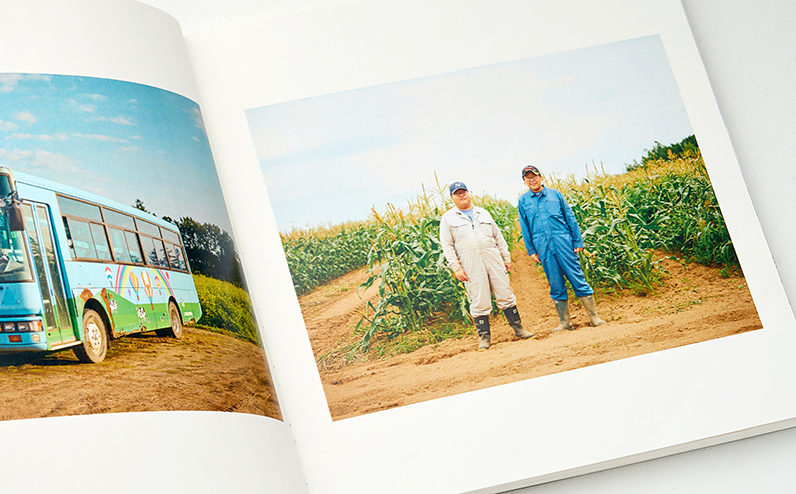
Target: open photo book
(229, 259)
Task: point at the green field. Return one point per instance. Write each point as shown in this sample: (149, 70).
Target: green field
(662, 207)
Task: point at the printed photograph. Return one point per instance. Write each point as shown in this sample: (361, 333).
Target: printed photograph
(120, 286)
(480, 227)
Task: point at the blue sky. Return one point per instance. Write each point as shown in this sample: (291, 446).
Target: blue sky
(121, 140)
(330, 158)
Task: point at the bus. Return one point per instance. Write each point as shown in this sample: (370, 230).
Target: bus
(78, 270)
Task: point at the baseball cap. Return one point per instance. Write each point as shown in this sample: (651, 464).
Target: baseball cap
(530, 169)
(456, 186)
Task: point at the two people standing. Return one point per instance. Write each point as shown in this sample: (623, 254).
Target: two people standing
(478, 254)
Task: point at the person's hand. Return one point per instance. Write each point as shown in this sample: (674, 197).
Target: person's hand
(578, 249)
(461, 275)
(535, 258)
(508, 266)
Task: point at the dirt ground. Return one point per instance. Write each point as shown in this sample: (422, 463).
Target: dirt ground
(202, 371)
(696, 304)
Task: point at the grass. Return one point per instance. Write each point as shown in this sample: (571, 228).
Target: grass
(226, 307)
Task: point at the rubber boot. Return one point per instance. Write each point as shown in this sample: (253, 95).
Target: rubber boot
(591, 309)
(513, 317)
(482, 328)
(562, 307)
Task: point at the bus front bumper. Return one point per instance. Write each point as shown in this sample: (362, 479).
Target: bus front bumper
(23, 334)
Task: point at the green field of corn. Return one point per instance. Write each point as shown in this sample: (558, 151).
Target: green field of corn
(663, 207)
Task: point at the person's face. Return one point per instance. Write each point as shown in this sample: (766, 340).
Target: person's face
(534, 182)
(462, 199)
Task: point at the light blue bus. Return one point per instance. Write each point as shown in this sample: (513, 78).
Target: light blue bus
(78, 270)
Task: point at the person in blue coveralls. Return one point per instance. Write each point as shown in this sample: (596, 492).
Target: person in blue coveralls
(553, 239)
(479, 257)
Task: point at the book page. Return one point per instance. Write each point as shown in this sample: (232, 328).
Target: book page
(295, 110)
(126, 332)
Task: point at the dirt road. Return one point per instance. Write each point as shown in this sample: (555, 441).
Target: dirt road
(202, 371)
(695, 305)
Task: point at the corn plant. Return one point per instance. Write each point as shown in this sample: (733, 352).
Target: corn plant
(321, 255)
(415, 285)
(669, 205)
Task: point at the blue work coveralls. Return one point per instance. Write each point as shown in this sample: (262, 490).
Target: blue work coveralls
(549, 229)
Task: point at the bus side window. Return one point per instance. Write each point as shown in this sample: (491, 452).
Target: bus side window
(119, 245)
(150, 254)
(161, 249)
(69, 238)
(82, 242)
(176, 257)
(135, 247)
(100, 242)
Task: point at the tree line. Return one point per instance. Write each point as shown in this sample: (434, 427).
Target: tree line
(660, 152)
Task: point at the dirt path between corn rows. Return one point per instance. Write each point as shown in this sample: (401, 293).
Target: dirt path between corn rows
(696, 304)
(202, 371)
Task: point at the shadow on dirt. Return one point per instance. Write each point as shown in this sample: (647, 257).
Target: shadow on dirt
(66, 357)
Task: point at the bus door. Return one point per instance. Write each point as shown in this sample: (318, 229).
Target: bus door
(57, 322)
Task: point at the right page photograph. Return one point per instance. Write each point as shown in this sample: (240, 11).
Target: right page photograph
(597, 234)
(497, 244)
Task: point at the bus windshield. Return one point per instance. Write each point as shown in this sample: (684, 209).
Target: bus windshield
(14, 263)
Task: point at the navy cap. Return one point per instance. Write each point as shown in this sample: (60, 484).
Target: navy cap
(456, 186)
(530, 169)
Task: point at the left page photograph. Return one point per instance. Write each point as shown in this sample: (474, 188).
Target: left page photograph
(124, 232)
(121, 289)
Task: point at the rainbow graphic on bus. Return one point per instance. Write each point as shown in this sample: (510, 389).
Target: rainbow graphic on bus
(126, 282)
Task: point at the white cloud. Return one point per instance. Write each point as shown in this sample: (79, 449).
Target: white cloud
(96, 97)
(25, 116)
(82, 107)
(197, 119)
(7, 126)
(98, 137)
(8, 82)
(127, 149)
(39, 137)
(120, 120)
(40, 161)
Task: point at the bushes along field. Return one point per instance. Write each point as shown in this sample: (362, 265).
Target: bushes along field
(227, 307)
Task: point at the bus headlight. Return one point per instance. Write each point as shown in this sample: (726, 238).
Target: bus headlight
(23, 326)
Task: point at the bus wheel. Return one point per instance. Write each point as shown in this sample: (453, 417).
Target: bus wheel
(175, 331)
(95, 339)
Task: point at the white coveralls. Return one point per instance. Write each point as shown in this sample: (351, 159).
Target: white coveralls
(480, 249)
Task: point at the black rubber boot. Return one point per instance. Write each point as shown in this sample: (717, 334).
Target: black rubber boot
(482, 328)
(513, 317)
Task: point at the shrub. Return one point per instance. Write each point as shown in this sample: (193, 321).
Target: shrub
(227, 307)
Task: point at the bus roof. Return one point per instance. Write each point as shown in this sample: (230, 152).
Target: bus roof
(66, 190)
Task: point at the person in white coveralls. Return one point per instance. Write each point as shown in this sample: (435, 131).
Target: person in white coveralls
(479, 257)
